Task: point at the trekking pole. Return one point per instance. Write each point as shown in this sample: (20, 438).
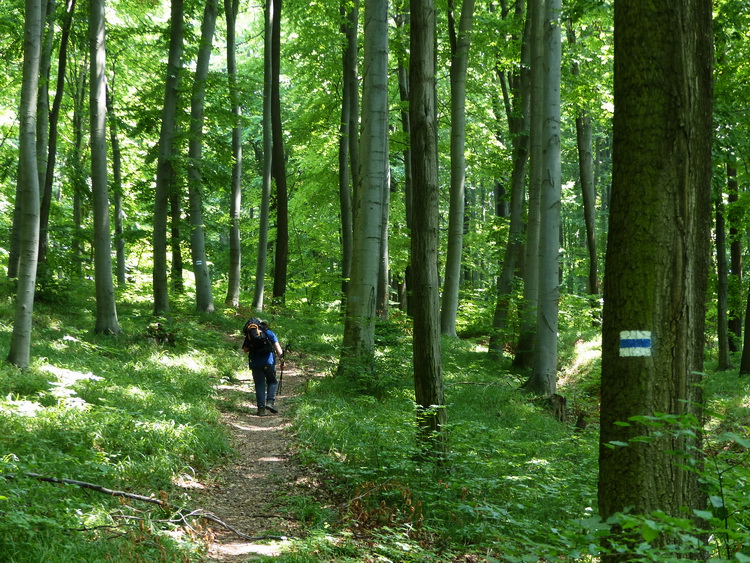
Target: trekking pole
(281, 373)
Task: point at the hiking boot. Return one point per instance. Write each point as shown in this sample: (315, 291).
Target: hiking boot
(270, 407)
(261, 411)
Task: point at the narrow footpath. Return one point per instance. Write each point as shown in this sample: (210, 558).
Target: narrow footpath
(250, 493)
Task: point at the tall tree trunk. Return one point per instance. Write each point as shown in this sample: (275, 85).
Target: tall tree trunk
(402, 24)
(722, 286)
(28, 182)
(460, 42)
(657, 261)
(359, 328)
(204, 301)
(165, 175)
(350, 92)
(525, 349)
(54, 117)
(588, 191)
(735, 263)
(428, 378)
(106, 311)
(79, 177)
(279, 162)
(384, 274)
(231, 8)
(265, 204)
(43, 117)
(117, 189)
(518, 125)
(543, 380)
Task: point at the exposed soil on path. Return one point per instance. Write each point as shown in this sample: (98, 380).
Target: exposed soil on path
(248, 493)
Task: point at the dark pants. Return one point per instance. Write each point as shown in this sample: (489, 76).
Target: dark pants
(265, 384)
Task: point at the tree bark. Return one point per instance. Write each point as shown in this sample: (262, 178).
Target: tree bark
(106, 310)
(265, 204)
(428, 378)
(165, 169)
(348, 129)
(460, 43)
(204, 301)
(359, 328)
(231, 8)
(657, 260)
(735, 262)
(28, 183)
(543, 380)
(525, 349)
(722, 287)
(279, 162)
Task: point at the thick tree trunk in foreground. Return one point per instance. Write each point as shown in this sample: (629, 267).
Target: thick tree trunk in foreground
(657, 259)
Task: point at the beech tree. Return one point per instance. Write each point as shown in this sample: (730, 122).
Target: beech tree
(657, 260)
(106, 310)
(267, 181)
(28, 188)
(543, 380)
(165, 173)
(460, 41)
(231, 8)
(359, 329)
(203, 293)
(428, 377)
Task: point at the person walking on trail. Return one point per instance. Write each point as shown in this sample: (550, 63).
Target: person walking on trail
(263, 349)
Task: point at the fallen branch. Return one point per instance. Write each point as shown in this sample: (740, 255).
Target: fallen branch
(162, 501)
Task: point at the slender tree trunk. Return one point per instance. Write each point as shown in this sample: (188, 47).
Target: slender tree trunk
(165, 167)
(279, 163)
(359, 328)
(588, 190)
(231, 8)
(117, 189)
(543, 380)
(79, 176)
(722, 287)
(460, 43)
(428, 377)
(384, 274)
(525, 349)
(54, 117)
(204, 301)
(106, 311)
(28, 182)
(43, 119)
(735, 263)
(402, 24)
(350, 91)
(518, 125)
(657, 263)
(265, 205)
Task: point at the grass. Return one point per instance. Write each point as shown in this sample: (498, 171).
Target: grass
(132, 414)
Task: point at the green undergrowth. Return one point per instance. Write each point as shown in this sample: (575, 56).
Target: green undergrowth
(133, 413)
(515, 485)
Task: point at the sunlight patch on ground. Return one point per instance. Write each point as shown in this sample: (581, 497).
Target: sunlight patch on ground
(586, 351)
(186, 361)
(65, 378)
(236, 549)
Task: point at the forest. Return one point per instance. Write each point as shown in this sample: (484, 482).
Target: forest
(501, 241)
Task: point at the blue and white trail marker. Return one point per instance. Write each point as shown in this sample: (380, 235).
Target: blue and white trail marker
(635, 343)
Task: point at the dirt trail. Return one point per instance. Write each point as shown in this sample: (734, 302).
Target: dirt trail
(247, 493)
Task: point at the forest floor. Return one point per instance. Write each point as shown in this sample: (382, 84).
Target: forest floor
(251, 492)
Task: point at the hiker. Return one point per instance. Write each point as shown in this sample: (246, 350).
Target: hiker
(263, 349)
